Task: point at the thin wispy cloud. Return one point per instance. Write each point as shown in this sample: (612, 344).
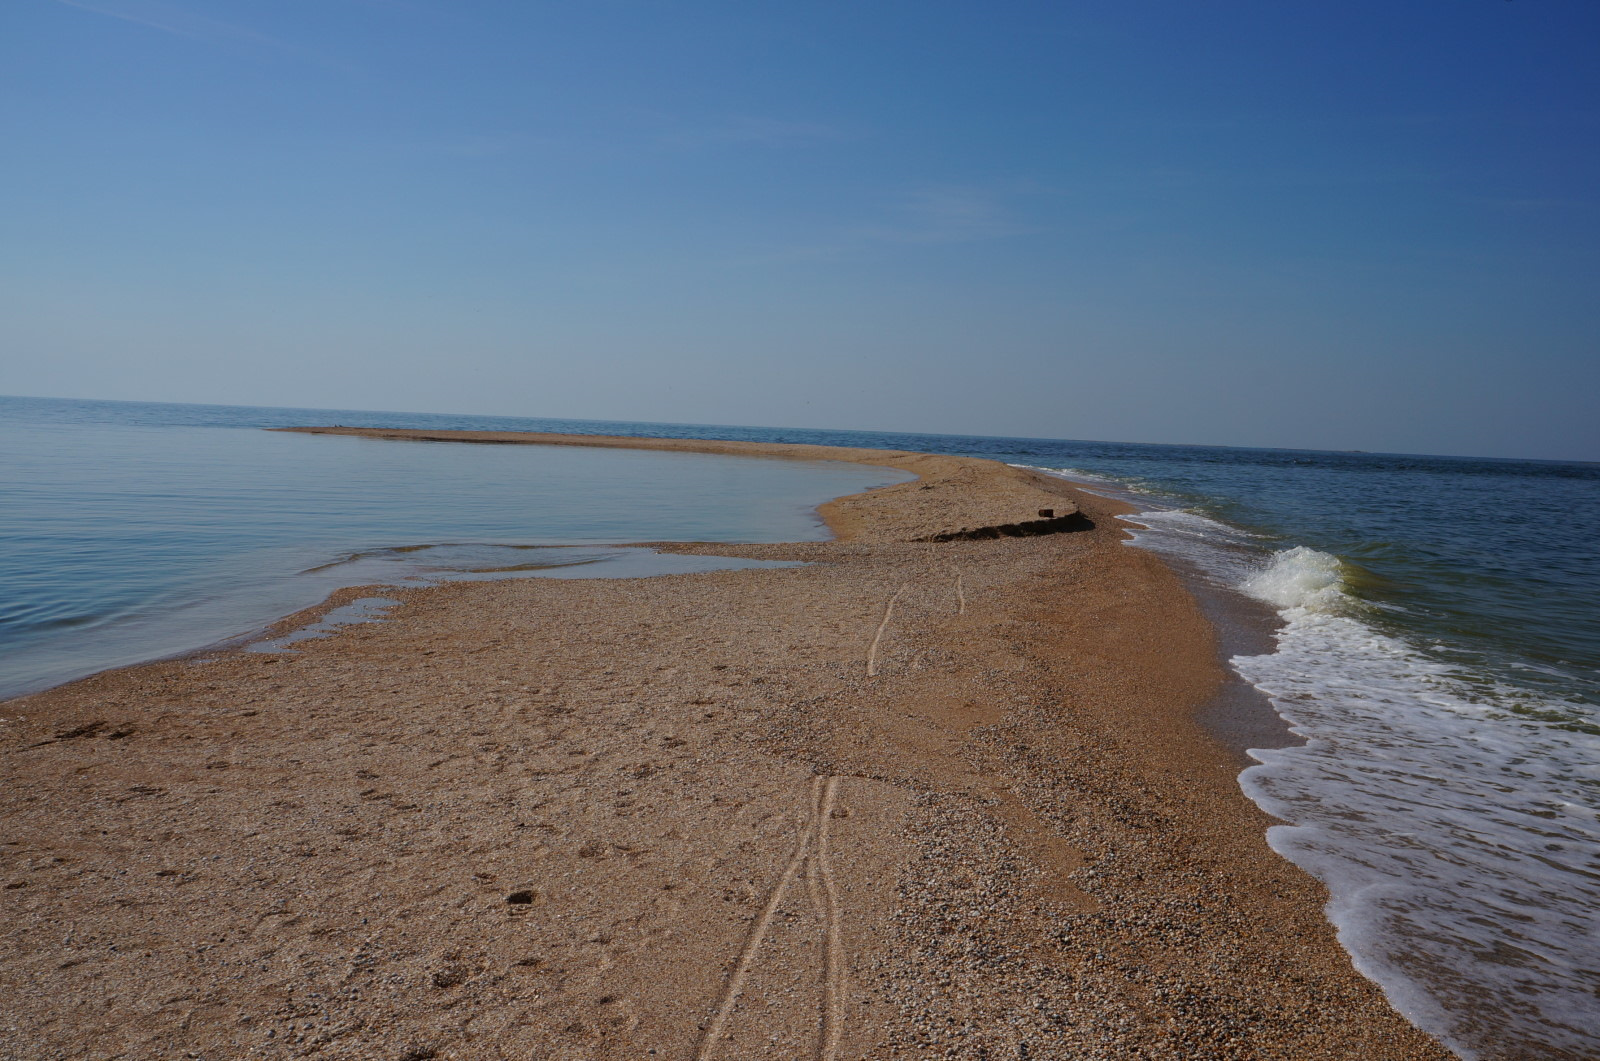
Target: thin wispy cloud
(948, 214)
(182, 22)
(751, 130)
(925, 216)
(1532, 204)
(1180, 178)
(482, 145)
(169, 18)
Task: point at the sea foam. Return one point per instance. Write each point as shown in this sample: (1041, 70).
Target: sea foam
(1452, 815)
(1301, 580)
(1453, 824)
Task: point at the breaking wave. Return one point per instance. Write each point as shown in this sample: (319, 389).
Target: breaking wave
(1451, 815)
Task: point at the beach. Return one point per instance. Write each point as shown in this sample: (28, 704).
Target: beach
(940, 792)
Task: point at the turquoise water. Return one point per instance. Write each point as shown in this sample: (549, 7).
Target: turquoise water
(1437, 646)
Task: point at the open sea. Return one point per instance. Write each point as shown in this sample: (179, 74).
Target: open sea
(1436, 647)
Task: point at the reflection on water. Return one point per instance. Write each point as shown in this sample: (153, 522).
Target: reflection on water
(128, 540)
(361, 610)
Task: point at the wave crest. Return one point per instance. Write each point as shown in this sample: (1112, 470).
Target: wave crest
(1302, 579)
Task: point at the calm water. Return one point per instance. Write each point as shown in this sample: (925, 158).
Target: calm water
(1439, 648)
(131, 531)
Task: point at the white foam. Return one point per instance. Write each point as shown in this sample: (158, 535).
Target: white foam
(1454, 818)
(1217, 552)
(1458, 836)
(1072, 474)
(1300, 579)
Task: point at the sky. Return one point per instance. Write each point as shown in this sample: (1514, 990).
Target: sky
(1351, 225)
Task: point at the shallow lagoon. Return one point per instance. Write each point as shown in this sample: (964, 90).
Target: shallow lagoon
(124, 542)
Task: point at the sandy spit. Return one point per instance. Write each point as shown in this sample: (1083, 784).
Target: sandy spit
(917, 799)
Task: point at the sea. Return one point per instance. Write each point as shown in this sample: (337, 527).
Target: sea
(1427, 628)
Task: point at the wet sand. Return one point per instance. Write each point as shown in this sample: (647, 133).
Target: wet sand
(920, 798)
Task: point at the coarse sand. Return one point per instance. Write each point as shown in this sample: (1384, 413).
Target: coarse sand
(919, 798)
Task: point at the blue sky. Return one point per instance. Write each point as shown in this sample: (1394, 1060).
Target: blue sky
(1331, 225)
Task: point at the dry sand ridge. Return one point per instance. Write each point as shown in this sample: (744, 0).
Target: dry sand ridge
(917, 799)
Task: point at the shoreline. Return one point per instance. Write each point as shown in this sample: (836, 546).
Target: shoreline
(1239, 716)
(1012, 508)
(919, 798)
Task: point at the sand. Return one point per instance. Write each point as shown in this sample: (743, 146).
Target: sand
(920, 798)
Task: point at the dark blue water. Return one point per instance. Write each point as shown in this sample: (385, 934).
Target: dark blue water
(1439, 649)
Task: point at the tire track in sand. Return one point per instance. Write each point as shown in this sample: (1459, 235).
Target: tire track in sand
(811, 855)
(872, 650)
(833, 972)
